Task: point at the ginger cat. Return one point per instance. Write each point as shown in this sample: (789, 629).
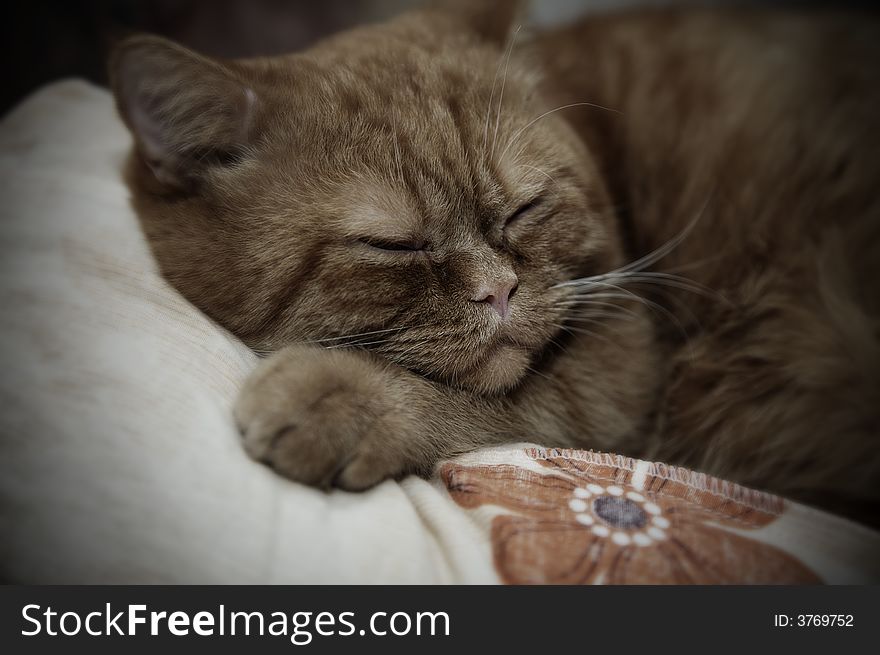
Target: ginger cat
(650, 232)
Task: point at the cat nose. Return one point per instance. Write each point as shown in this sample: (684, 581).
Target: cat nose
(497, 295)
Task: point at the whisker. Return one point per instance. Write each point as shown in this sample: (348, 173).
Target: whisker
(531, 369)
(358, 344)
(694, 264)
(547, 113)
(659, 283)
(647, 260)
(489, 107)
(596, 320)
(586, 301)
(544, 173)
(680, 302)
(397, 157)
(591, 333)
(366, 334)
(669, 280)
(596, 317)
(555, 342)
(649, 303)
(503, 83)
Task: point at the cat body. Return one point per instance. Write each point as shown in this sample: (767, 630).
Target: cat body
(652, 233)
(761, 130)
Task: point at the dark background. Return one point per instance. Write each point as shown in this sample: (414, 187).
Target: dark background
(45, 40)
(51, 39)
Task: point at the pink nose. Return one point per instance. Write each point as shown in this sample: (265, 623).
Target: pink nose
(497, 296)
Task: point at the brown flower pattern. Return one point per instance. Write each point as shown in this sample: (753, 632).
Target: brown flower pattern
(589, 518)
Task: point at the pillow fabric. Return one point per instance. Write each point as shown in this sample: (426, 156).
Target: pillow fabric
(119, 461)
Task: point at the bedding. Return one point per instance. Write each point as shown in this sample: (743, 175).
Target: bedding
(119, 461)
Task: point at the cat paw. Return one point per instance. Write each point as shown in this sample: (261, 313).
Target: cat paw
(324, 418)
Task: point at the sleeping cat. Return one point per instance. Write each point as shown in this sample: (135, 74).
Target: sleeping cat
(653, 233)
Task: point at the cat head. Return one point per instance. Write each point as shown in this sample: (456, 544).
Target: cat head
(403, 187)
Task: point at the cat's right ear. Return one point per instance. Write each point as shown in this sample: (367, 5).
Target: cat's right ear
(187, 113)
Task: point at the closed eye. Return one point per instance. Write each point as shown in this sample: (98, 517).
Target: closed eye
(389, 245)
(523, 211)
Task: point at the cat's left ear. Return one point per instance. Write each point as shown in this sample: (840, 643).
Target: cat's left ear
(188, 114)
(492, 20)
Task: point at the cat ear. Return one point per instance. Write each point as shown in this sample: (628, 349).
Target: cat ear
(492, 20)
(187, 112)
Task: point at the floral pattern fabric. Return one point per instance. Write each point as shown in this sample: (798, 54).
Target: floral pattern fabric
(577, 517)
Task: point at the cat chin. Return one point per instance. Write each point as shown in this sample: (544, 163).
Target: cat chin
(501, 370)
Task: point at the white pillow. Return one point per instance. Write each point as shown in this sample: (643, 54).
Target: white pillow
(119, 461)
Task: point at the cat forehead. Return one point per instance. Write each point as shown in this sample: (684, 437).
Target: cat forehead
(377, 210)
(380, 208)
